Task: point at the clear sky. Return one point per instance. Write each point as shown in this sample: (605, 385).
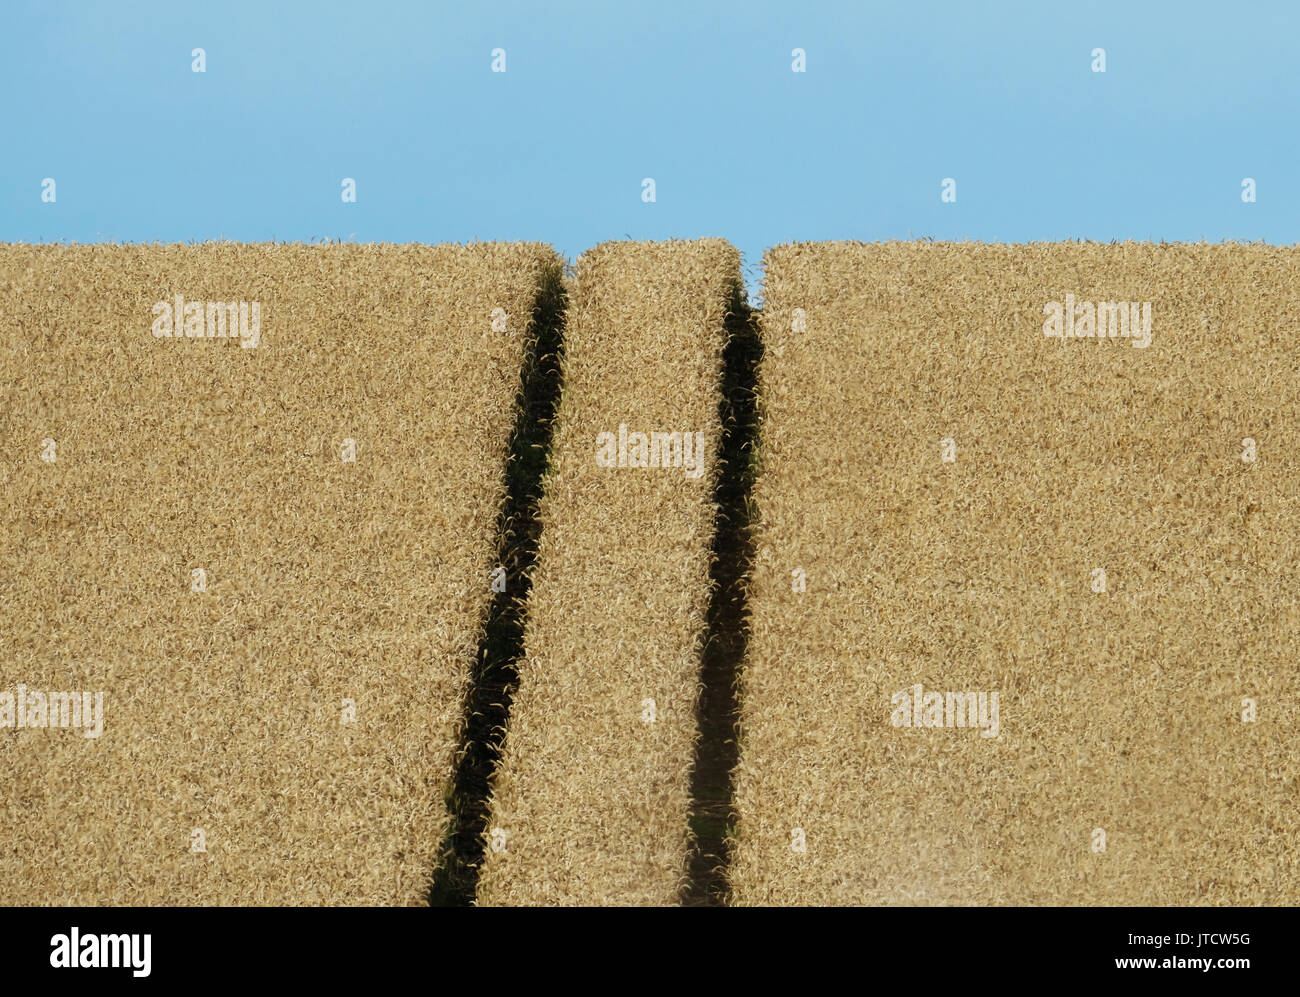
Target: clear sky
(698, 95)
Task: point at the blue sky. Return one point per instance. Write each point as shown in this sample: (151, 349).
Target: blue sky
(698, 95)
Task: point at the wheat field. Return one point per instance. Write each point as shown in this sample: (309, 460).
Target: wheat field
(957, 497)
(280, 728)
(1013, 539)
(590, 801)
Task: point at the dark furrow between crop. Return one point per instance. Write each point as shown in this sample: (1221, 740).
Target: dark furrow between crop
(495, 675)
(712, 814)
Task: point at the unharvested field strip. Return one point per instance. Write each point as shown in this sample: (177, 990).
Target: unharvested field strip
(327, 582)
(590, 801)
(1122, 771)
